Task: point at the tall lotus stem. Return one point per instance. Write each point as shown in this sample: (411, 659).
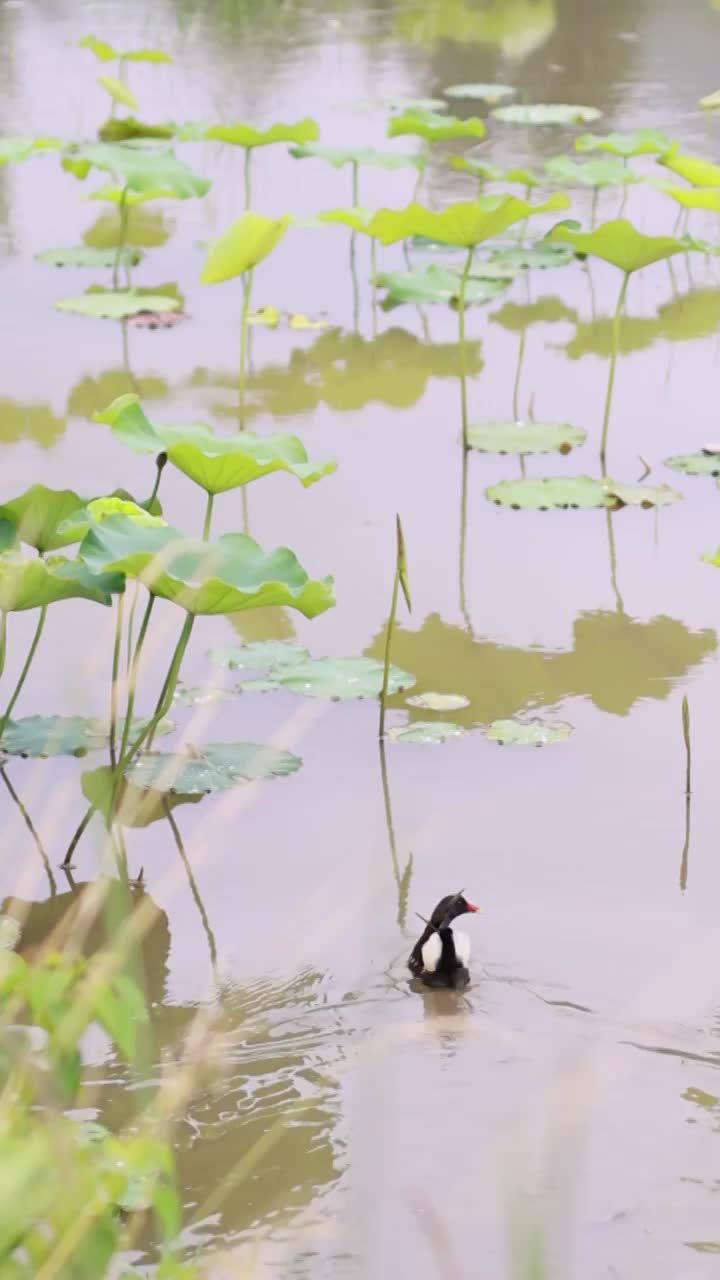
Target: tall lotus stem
(243, 344)
(26, 667)
(123, 211)
(115, 674)
(355, 196)
(611, 371)
(160, 463)
(133, 675)
(3, 638)
(463, 353)
(248, 192)
(166, 697)
(400, 580)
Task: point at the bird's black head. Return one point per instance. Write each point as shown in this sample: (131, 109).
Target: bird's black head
(448, 908)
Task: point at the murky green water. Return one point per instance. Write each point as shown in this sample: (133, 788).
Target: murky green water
(576, 1084)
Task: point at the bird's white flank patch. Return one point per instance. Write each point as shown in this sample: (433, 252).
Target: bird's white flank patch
(431, 952)
(462, 947)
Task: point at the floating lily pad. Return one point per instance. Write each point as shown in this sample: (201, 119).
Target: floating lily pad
(336, 678)
(109, 304)
(696, 464)
(542, 255)
(83, 255)
(434, 283)
(542, 493)
(426, 731)
(524, 437)
(528, 733)
(261, 655)
(542, 113)
(42, 736)
(201, 695)
(439, 701)
(215, 767)
(491, 93)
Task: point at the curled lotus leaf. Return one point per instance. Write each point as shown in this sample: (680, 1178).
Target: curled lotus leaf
(706, 463)
(426, 731)
(431, 701)
(492, 93)
(338, 157)
(528, 733)
(692, 197)
(481, 169)
(223, 577)
(119, 91)
(105, 52)
(214, 767)
(338, 678)
(571, 492)
(524, 437)
(357, 219)
(694, 169)
(641, 142)
(38, 515)
(261, 655)
(247, 241)
(433, 283)
(433, 126)
(83, 255)
(112, 304)
(32, 584)
(249, 136)
(43, 736)
(465, 223)
(20, 148)
(546, 113)
(215, 463)
(589, 173)
(526, 257)
(711, 101)
(140, 169)
(620, 243)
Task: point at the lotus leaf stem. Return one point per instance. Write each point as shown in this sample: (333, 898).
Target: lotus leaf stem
(79, 833)
(33, 831)
(115, 674)
(248, 189)
(123, 211)
(26, 667)
(3, 638)
(355, 285)
(518, 371)
(133, 675)
(463, 353)
(388, 642)
(166, 696)
(611, 371)
(208, 516)
(355, 197)
(243, 344)
(212, 945)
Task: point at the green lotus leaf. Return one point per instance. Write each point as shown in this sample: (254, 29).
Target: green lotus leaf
(337, 678)
(224, 577)
(588, 173)
(142, 169)
(528, 733)
(262, 655)
(83, 255)
(74, 528)
(433, 283)
(543, 492)
(340, 156)
(125, 128)
(43, 736)
(433, 127)
(542, 113)
(439, 701)
(491, 93)
(215, 767)
(641, 142)
(247, 241)
(248, 136)
(426, 731)
(38, 514)
(695, 170)
(706, 463)
(466, 223)
(111, 304)
(21, 148)
(541, 255)
(525, 177)
(127, 805)
(202, 695)
(8, 535)
(620, 243)
(692, 197)
(215, 463)
(478, 168)
(32, 584)
(711, 101)
(414, 104)
(119, 91)
(105, 52)
(524, 437)
(358, 219)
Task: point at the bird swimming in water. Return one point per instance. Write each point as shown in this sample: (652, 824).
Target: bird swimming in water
(441, 956)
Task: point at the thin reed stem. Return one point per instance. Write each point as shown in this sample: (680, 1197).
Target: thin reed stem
(26, 667)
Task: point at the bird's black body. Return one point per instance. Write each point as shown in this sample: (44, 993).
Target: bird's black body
(450, 972)
(449, 969)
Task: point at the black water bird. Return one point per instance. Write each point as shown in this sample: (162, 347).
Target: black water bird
(441, 955)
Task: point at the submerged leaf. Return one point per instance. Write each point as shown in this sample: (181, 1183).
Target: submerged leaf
(433, 283)
(262, 655)
(426, 731)
(247, 135)
(524, 437)
(542, 255)
(491, 93)
(247, 241)
(213, 767)
(546, 113)
(83, 255)
(112, 304)
(544, 492)
(31, 584)
(620, 243)
(529, 733)
(433, 127)
(466, 222)
(43, 736)
(439, 701)
(343, 678)
(641, 142)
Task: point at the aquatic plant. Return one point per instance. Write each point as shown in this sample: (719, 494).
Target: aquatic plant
(340, 157)
(641, 142)
(400, 582)
(249, 137)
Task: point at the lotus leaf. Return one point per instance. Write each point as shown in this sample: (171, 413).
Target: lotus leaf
(262, 655)
(695, 170)
(337, 678)
(305, 324)
(491, 93)
(357, 219)
(108, 53)
(426, 731)
(642, 142)
(478, 168)
(529, 733)
(8, 535)
(32, 584)
(524, 437)
(42, 736)
(74, 528)
(546, 113)
(123, 129)
(119, 91)
(465, 223)
(711, 101)
(216, 463)
(541, 255)
(544, 492)
(620, 243)
(21, 148)
(588, 173)
(693, 197)
(248, 136)
(224, 577)
(201, 695)
(436, 284)
(414, 104)
(525, 177)
(110, 304)
(268, 316)
(696, 464)
(439, 701)
(142, 169)
(434, 127)
(83, 255)
(247, 241)
(340, 156)
(215, 767)
(38, 514)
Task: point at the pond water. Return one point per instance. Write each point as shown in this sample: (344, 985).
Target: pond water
(572, 1095)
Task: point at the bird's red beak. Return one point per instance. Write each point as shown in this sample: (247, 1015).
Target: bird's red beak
(471, 906)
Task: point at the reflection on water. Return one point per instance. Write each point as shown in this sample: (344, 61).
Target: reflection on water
(29, 422)
(682, 319)
(146, 229)
(89, 395)
(615, 660)
(516, 28)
